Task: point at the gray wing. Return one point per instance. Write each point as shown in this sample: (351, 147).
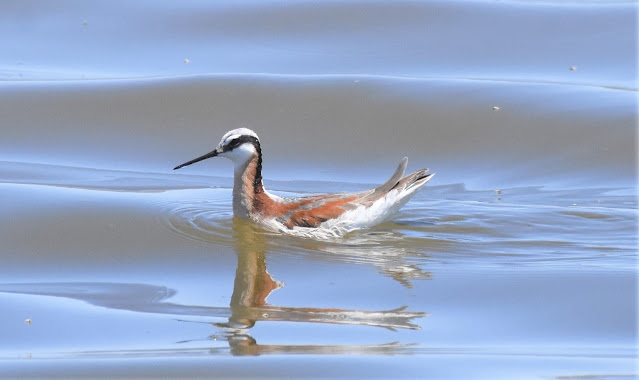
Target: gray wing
(398, 181)
(392, 181)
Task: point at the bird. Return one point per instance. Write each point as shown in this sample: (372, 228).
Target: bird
(315, 216)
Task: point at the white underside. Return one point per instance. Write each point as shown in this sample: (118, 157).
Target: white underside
(362, 217)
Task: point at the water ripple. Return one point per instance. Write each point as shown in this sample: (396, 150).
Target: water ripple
(203, 221)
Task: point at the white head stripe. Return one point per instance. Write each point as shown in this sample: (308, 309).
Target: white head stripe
(235, 133)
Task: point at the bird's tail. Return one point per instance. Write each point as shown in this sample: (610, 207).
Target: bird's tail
(405, 184)
(415, 180)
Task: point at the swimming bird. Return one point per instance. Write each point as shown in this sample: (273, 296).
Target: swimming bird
(320, 216)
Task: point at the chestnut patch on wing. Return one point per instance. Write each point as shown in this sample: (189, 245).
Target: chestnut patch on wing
(313, 217)
(307, 212)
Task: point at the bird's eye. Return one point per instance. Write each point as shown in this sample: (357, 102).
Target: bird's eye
(232, 144)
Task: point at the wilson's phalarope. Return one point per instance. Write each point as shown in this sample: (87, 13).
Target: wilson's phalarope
(326, 215)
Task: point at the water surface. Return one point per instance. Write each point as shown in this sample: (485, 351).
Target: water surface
(518, 260)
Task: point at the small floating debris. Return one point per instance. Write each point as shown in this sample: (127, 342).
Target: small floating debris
(27, 321)
(187, 61)
(495, 108)
(497, 191)
(573, 68)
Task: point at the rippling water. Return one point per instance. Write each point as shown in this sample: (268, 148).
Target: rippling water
(517, 260)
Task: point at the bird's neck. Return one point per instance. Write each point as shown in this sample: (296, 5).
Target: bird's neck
(248, 190)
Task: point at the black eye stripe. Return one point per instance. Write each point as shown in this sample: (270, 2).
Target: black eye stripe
(233, 144)
(239, 141)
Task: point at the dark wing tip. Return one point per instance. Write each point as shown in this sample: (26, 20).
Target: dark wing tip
(423, 174)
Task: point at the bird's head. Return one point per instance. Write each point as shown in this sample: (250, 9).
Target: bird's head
(238, 145)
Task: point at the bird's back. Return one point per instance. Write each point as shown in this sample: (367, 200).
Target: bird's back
(350, 211)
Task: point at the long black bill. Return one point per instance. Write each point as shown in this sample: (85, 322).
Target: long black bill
(208, 155)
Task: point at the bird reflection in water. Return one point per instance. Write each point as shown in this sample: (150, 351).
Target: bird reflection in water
(252, 286)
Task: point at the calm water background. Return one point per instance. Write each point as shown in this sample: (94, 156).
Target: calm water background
(518, 260)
